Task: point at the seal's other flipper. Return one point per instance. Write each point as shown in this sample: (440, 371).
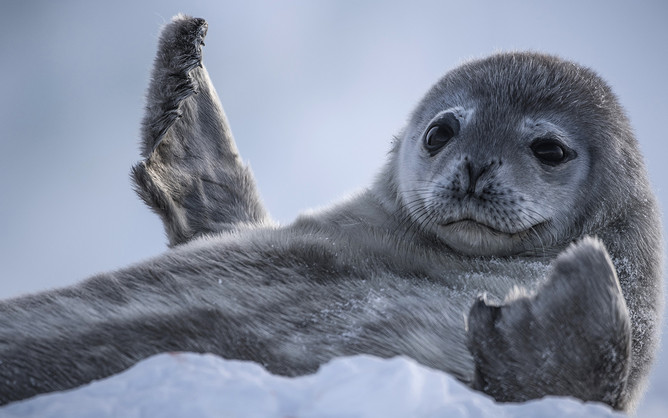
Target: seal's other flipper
(192, 175)
(572, 338)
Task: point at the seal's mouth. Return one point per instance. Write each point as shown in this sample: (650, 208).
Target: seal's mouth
(474, 225)
(478, 226)
(470, 223)
(471, 237)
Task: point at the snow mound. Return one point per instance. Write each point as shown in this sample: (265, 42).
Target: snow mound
(205, 385)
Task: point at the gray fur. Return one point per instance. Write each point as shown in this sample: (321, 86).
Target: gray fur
(192, 175)
(527, 347)
(395, 270)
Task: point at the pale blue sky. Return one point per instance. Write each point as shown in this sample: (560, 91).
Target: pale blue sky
(314, 91)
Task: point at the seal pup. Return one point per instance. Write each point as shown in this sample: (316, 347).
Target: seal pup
(471, 253)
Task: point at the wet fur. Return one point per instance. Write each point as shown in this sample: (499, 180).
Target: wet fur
(364, 276)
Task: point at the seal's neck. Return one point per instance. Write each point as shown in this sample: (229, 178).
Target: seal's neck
(385, 188)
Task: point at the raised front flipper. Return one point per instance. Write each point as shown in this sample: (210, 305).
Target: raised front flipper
(192, 175)
(572, 338)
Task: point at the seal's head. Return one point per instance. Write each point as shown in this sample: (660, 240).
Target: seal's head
(516, 153)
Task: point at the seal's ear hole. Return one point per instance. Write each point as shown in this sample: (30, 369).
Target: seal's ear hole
(440, 132)
(551, 151)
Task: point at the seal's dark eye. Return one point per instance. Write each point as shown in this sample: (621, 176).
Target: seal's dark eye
(440, 132)
(551, 151)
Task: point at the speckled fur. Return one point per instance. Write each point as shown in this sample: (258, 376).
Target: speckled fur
(519, 313)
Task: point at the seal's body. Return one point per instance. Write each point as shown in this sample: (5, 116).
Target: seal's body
(470, 253)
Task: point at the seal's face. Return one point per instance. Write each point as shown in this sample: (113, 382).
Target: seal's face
(487, 174)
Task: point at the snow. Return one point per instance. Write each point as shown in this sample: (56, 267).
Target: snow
(205, 385)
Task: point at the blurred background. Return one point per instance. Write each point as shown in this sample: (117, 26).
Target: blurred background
(314, 91)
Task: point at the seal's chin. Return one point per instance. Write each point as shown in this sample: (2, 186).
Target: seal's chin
(474, 238)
